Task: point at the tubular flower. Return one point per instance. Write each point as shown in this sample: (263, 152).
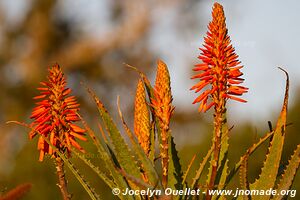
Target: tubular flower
(54, 116)
(220, 71)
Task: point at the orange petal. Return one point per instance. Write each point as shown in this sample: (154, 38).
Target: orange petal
(76, 128)
(236, 98)
(39, 97)
(81, 137)
(42, 153)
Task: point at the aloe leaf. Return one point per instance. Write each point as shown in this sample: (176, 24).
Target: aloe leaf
(101, 175)
(221, 177)
(184, 177)
(147, 164)
(201, 168)
(80, 178)
(184, 183)
(121, 150)
(223, 161)
(244, 179)
(269, 171)
(286, 181)
(75, 171)
(174, 167)
(109, 164)
(138, 182)
(152, 143)
(251, 150)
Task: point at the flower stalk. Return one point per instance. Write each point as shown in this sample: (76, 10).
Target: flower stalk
(220, 79)
(54, 117)
(163, 109)
(62, 183)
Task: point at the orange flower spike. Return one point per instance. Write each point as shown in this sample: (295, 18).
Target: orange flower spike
(142, 118)
(162, 103)
(55, 114)
(220, 68)
(163, 109)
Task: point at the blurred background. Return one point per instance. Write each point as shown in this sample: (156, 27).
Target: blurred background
(91, 41)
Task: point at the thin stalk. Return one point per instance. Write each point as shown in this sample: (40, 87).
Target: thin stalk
(62, 183)
(218, 122)
(164, 156)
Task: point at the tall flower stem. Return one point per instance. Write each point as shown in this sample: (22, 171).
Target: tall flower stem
(62, 183)
(219, 133)
(163, 109)
(220, 77)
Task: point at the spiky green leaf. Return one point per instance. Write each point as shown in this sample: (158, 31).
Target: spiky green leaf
(251, 150)
(174, 167)
(289, 174)
(244, 179)
(101, 174)
(120, 148)
(201, 168)
(269, 171)
(75, 171)
(107, 159)
(146, 163)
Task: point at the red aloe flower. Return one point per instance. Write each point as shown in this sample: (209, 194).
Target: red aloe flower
(55, 114)
(220, 71)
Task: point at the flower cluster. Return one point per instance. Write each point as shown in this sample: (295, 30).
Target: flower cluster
(142, 118)
(220, 71)
(54, 116)
(162, 101)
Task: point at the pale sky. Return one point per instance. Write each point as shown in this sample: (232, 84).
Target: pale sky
(264, 33)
